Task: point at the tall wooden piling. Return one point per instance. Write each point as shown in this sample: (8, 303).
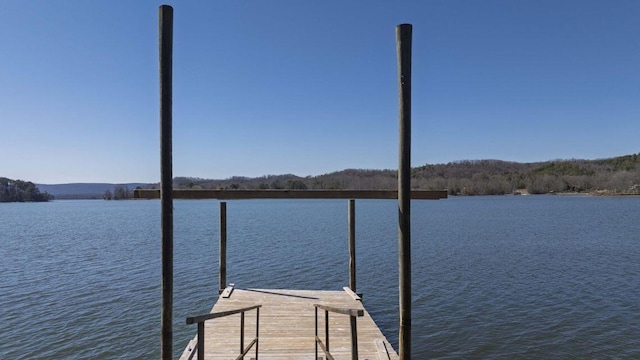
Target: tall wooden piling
(222, 265)
(403, 39)
(166, 176)
(352, 244)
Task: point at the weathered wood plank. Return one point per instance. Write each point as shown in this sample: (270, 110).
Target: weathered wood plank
(227, 291)
(196, 194)
(383, 354)
(353, 295)
(287, 326)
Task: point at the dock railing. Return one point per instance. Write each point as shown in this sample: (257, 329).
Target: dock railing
(200, 319)
(353, 314)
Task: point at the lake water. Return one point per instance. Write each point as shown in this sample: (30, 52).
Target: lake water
(493, 277)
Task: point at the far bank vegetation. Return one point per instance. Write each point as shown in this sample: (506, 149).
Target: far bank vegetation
(119, 193)
(21, 191)
(619, 175)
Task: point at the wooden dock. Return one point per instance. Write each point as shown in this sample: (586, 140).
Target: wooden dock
(287, 326)
(290, 321)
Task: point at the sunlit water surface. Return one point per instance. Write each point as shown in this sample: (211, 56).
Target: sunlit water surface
(493, 277)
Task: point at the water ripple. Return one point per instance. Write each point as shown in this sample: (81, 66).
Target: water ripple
(498, 277)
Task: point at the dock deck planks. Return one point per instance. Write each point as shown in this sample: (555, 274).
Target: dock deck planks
(287, 326)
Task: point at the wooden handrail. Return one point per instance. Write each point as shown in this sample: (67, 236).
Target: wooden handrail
(324, 350)
(346, 311)
(205, 317)
(200, 319)
(353, 314)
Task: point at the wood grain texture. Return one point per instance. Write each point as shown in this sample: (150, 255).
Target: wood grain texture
(287, 326)
(403, 39)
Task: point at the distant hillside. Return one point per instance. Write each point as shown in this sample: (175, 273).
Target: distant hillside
(618, 175)
(83, 190)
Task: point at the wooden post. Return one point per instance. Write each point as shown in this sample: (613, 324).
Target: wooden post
(241, 332)
(354, 338)
(222, 273)
(166, 180)
(201, 340)
(403, 39)
(316, 333)
(326, 329)
(258, 331)
(352, 245)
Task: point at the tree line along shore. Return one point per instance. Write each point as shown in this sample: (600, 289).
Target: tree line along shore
(21, 191)
(612, 176)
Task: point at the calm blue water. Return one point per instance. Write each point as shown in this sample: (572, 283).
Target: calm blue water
(494, 277)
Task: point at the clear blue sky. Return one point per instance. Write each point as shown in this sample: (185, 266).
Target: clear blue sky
(310, 87)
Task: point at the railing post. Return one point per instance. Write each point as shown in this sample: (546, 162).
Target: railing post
(201, 340)
(352, 245)
(326, 328)
(403, 39)
(257, 331)
(222, 271)
(316, 358)
(166, 179)
(200, 320)
(354, 339)
(242, 333)
(352, 313)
